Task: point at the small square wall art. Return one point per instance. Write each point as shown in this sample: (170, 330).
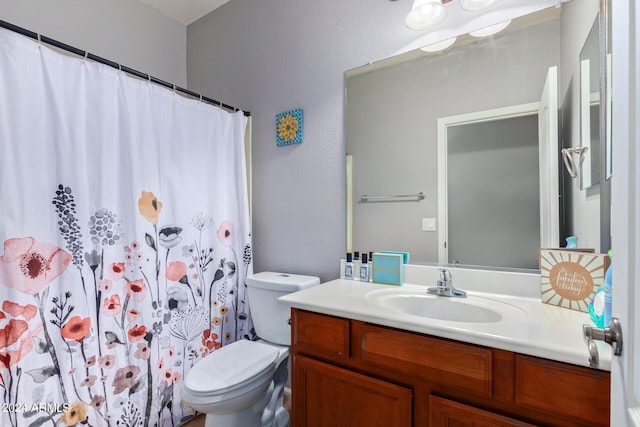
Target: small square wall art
(289, 127)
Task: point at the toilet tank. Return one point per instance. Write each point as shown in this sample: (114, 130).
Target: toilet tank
(270, 316)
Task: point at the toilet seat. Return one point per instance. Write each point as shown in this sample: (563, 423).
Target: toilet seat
(232, 367)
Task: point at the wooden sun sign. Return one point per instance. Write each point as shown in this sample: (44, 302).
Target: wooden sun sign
(570, 279)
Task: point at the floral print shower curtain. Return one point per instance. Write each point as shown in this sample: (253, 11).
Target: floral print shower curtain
(125, 241)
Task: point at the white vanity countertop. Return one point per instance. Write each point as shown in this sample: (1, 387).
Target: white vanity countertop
(543, 330)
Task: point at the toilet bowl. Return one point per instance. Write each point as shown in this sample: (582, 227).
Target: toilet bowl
(232, 383)
(242, 384)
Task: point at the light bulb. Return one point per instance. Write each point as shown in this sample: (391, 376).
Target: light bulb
(425, 14)
(442, 45)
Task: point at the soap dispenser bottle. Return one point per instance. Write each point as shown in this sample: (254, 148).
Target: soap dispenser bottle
(607, 293)
(348, 267)
(365, 272)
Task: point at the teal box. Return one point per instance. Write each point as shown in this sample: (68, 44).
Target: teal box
(388, 268)
(405, 255)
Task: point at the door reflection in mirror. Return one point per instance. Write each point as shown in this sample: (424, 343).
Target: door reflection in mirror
(492, 192)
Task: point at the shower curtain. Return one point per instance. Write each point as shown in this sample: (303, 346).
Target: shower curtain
(126, 241)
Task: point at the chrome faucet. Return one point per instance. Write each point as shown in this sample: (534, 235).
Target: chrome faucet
(444, 286)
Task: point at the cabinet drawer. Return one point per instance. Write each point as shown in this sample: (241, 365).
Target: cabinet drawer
(578, 393)
(462, 367)
(327, 395)
(320, 335)
(447, 413)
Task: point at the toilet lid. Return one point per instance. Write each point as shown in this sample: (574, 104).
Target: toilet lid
(230, 366)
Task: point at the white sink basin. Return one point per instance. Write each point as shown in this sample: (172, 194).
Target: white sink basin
(472, 309)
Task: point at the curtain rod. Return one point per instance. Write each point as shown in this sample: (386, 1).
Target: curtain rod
(104, 61)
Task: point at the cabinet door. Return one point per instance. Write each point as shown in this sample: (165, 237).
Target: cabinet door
(322, 336)
(324, 395)
(447, 413)
(579, 394)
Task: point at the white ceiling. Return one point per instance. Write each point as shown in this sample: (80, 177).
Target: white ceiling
(185, 11)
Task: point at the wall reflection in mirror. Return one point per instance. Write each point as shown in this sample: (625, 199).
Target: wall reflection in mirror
(590, 108)
(471, 127)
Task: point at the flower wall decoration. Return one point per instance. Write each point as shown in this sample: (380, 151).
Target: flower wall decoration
(289, 127)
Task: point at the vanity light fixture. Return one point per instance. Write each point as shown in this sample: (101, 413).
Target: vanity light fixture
(473, 5)
(491, 29)
(425, 14)
(438, 46)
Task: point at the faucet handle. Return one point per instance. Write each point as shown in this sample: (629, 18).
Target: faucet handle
(445, 286)
(445, 277)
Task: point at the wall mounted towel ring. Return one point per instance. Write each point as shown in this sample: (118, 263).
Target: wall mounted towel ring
(567, 156)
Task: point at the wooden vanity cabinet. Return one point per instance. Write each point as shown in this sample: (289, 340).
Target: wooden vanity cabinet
(352, 373)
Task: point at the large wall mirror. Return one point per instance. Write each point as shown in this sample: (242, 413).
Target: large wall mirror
(448, 154)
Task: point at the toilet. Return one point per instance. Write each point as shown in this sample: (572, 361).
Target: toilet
(242, 384)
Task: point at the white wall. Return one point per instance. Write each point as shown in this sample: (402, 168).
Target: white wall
(124, 31)
(272, 56)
